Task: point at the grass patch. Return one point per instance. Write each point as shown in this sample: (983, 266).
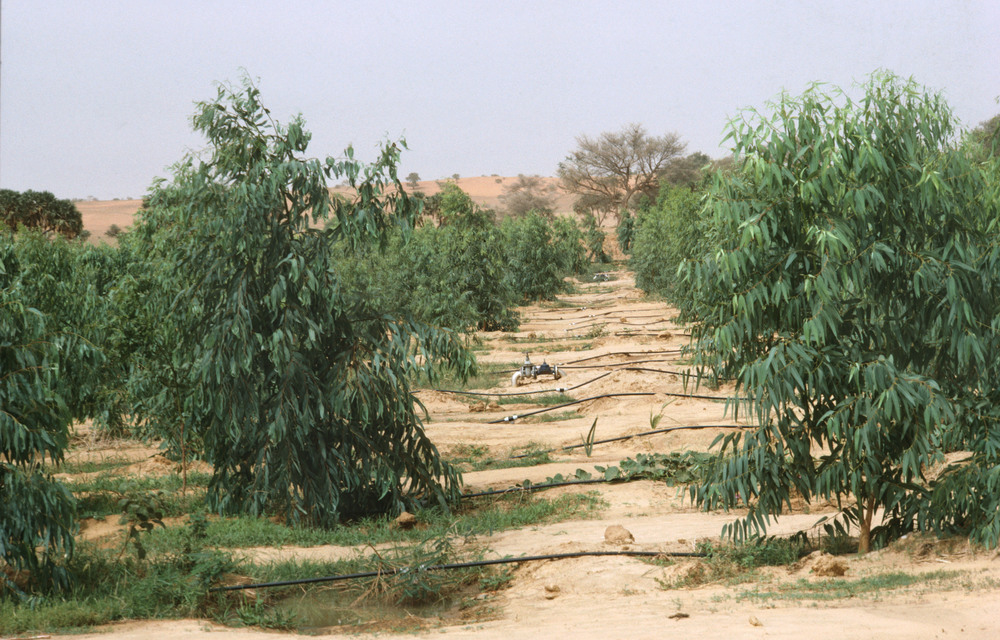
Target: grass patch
(536, 400)
(488, 374)
(477, 458)
(181, 563)
(556, 303)
(840, 588)
(99, 497)
(479, 517)
(553, 417)
(91, 466)
(737, 563)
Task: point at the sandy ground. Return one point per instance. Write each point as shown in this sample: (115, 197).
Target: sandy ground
(617, 597)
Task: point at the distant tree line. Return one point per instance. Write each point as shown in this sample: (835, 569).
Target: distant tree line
(39, 210)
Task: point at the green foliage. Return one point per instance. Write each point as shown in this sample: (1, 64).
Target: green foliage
(71, 283)
(36, 512)
(568, 245)
(142, 513)
(39, 210)
(451, 276)
(670, 232)
(854, 299)
(594, 238)
(983, 141)
(297, 387)
(676, 468)
(534, 267)
(626, 231)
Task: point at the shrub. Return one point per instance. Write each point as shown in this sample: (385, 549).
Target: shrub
(854, 298)
(534, 267)
(297, 386)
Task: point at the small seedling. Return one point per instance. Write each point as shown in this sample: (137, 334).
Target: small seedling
(588, 442)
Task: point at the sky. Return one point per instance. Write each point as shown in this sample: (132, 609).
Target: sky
(96, 96)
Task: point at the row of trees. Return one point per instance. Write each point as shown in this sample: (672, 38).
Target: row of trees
(462, 269)
(252, 320)
(845, 275)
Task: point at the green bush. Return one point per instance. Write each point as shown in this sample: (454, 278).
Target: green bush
(568, 245)
(39, 210)
(854, 298)
(297, 386)
(36, 512)
(534, 266)
(670, 232)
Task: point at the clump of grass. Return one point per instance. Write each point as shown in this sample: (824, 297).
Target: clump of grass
(110, 586)
(554, 417)
(735, 563)
(536, 400)
(842, 588)
(99, 497)
(477, 458)
(172, 578)
(470, 518)
(91, 466)
(487, 374)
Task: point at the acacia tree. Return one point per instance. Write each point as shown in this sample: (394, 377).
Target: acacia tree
(527, 194)
(854, 299)
(298, 389)
(608, 172)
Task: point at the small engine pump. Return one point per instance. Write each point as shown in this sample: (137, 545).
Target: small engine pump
(532, 371)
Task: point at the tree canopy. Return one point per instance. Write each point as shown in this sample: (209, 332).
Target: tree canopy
(298, 389)
(39, 210)
(607, 172)
(855, 300)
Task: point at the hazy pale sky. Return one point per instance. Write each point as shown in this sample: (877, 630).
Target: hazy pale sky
(96, 95)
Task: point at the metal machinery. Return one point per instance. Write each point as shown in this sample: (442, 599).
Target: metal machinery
(532, 371)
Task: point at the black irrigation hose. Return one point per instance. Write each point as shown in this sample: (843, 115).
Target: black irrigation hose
(521, 393)
(462, 565)
(567, 404)
(614, 364)
(630, 334)
(629, 437)
(565, 389)
(595, 315)
(536, 487)
(569, 310)
(676, 373)
(623, 353)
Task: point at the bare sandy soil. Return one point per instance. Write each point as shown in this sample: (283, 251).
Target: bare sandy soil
(956, 593)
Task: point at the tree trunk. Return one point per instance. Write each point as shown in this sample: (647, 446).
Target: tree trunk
(865, 513)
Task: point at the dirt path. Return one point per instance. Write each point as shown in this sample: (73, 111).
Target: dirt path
(610, 327)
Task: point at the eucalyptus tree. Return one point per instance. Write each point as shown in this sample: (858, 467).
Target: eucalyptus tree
(298, 389)
(36, 512)
(854, 299)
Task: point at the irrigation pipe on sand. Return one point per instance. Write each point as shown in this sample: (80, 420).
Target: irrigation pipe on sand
(629, 437)
(567, 404)
(461, 565)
